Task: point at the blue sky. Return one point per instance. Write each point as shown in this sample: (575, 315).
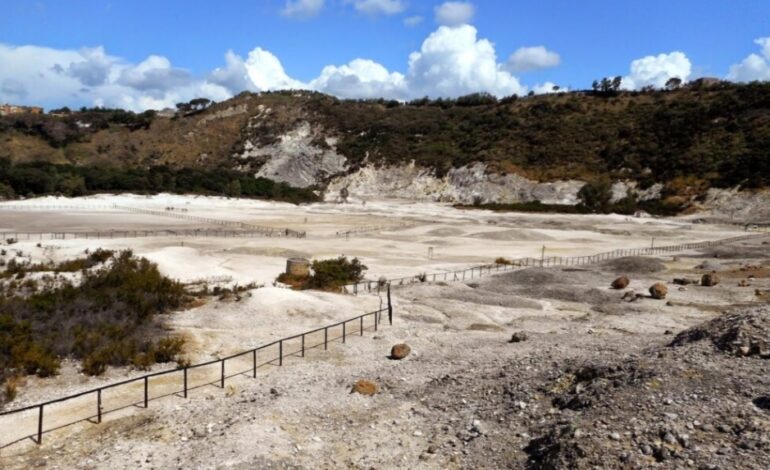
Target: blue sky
(591, 38)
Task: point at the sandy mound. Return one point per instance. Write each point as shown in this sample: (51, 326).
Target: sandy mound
(513, 234)
(445, 232)
(635, 265)
(742, 333)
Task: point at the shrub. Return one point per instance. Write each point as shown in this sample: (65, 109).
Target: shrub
(10, 389)
(595, 196)
(503, 261)
(108, 319)
(329, 274)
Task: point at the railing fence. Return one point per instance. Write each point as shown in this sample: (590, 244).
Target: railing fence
(551, 261)
(187, 378)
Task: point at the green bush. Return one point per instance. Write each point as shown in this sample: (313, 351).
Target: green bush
(332, 274)
(108, 319)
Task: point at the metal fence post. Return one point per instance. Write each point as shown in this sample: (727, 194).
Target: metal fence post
(390, 308)
(362, 324)
(280, 352)
(99, 406)
(254, 364)
(40, 426)
(185, 382)
(146, 394)
(326, 338)
(303, 344)
(222, 373)
(343, 332)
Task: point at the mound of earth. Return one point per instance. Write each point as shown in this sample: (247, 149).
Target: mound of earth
(744, 333)
(512, 234)
(635, 265)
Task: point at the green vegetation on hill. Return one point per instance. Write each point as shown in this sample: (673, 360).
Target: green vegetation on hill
(41, 178)
(689, 138)
(106, 319)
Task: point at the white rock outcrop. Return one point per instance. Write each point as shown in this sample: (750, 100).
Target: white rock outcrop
(465, 185)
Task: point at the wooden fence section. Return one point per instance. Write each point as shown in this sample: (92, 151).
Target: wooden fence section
(487, 269)
(31, 422)
(108, 234)
(254, 230)
(265, 231)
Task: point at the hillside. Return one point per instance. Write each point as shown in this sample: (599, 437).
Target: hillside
(688, 140)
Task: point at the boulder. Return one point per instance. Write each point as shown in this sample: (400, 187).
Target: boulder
(620, 283)
(658, 291)
(709, 279)
(518, 337)
(400, 351)
(365, 387)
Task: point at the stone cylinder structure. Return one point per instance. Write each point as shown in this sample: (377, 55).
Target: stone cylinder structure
(298, 267)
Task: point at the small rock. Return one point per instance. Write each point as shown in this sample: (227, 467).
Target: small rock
(658, 291)
(365, 387)
(518, 337)
(620, 283)
(709, 279)
(615, 436)
(400, 351)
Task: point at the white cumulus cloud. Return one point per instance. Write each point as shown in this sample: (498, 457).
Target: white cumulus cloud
(755, 66)
(378, 7)
(361, 78)
(657, 70)
(525, 59)
(453, 61)
(266, 72)
(302, 9)
(454, 13)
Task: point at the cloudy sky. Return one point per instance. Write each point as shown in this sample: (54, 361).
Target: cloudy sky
(143, 54)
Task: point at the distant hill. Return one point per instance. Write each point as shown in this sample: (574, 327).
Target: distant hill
(688, 140)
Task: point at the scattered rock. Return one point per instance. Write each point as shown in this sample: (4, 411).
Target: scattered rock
(683, 281)
(762, 402)
(744, 333)
(365, 387)
(518, 337)
(620, 283)
(658, 291)
(400, 351)
(709, 279)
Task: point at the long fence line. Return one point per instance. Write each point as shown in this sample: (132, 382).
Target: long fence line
(266, 231)
(254, 229)
(92, 402)
(376, 228)
(107, 234)
(543, 261)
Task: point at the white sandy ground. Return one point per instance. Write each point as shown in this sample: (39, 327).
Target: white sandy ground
(459, 238)
(429, 322)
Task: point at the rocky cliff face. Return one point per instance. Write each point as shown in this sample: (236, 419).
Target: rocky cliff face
(295, 159)
(467, 185)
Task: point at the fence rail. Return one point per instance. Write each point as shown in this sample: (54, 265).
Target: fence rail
(29, 422)
(266, 231)
(175, 213)
(376, 228)
(106, 234)
(487, 269)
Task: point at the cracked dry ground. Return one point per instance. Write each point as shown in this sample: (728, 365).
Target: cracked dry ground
(599, 382)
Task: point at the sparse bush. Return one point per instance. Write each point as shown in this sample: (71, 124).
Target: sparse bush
(108, 319)
(332, 274)
(503, 261)
(329, 274)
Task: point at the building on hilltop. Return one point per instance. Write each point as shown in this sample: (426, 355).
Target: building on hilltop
(7, 109)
